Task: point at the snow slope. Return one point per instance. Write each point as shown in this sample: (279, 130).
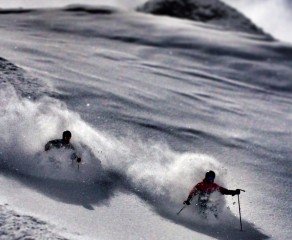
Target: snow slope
(16, 226)
(156, 101)
(274, 16)
(210, 11)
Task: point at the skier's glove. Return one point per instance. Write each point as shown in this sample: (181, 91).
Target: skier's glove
(187, 202)
(236, 192)
(78, 160)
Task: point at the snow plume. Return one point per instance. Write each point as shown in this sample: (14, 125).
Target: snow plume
(155, 169)
(274, 16)
(25, 128)
(149, 169)
(27, 125)
(160, 175)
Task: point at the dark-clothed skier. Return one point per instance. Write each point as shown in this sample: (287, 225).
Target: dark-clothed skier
(63, 143)
(204, 189)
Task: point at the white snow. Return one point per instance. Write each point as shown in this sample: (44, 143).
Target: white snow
(157, 101)
(274, 16)
(17, 226)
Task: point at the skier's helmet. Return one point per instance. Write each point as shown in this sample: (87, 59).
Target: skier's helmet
(67, 135)
(210, 176)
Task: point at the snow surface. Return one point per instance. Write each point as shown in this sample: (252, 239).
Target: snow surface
(152, 102)
(16, 226)
(274, 16)
(211, 11)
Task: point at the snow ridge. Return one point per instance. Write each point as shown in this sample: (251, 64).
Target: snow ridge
(211, 11)
(90, 9)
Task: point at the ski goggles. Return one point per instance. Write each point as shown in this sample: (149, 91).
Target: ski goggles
(210, 178)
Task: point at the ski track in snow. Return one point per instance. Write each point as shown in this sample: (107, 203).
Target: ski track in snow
(154, 100)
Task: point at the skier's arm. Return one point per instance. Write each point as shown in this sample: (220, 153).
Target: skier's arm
(74, 156)
(48, 146)
(225, 191)
(192, 193)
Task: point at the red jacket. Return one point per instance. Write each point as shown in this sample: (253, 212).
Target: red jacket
(205, 187)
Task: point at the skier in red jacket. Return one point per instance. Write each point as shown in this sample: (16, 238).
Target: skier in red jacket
(204, 189)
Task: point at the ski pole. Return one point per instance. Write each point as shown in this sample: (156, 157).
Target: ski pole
(78, 162)
(181, 209)
(239, 209)
(185, 205)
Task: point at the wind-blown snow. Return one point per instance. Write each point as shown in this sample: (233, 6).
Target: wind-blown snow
(156, 101)
(49, 117)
